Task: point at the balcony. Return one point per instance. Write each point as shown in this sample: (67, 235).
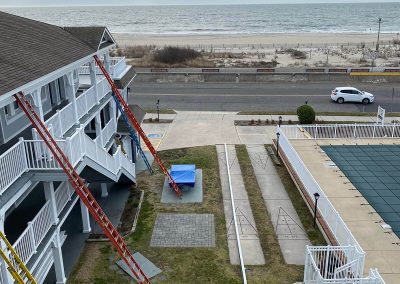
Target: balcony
(31, 238)
(117, 68)
(65, 119)
(34, 155)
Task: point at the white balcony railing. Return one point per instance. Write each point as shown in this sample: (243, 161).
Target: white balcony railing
(64, 119)
(117, 66)
(107, 132)
(62, 195)
(34, 155)
(30, 239)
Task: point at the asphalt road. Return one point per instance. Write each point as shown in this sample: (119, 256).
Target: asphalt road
(276, 96)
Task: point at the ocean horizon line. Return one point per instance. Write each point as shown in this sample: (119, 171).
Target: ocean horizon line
(189, 5)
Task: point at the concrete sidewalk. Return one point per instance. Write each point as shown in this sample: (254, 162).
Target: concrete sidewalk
(249, 240)
(191, 128)
(290, 232)
(215, 115)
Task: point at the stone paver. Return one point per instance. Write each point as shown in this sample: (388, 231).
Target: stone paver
(291, 235)
(249, 240)
(183, 230)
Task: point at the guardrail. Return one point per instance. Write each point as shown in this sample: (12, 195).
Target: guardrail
(349, 263)
(336, 225)
(340, 131)
(210, 70)
(30, 239)
(107, 132)
(64, 119)
(279, 70)
(34, 155)
(117, 66)
(326, 265)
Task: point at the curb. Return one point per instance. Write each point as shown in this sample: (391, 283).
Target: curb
(132, 230)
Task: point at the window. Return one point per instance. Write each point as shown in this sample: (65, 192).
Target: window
(16, 105)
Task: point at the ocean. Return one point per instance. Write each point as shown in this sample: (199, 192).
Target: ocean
(224, 19)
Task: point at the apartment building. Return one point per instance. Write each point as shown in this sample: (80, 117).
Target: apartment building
(54, 67)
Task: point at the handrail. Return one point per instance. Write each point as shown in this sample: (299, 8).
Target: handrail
(116, 65)
(64, 119)
(342, 131)
(243, 268)
(33, 155)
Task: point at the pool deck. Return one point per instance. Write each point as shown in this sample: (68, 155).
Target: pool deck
(382, 246)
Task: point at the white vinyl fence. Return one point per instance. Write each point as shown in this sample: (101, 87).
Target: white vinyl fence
(341, 131)
(325, 264)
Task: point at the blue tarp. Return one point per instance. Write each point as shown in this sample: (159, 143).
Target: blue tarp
(184, 174)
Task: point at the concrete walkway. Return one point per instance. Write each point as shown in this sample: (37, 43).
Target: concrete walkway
(251, 247)
(192, 128)
(209, 115)
(290, 232)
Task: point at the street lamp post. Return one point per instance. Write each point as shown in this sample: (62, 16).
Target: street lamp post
(316, 197)
(280, 121)
(379, 32)
(277, 143)
(158, 110)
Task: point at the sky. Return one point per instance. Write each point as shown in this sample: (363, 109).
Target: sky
(166, 2)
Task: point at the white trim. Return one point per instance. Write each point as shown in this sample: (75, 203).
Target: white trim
(12, 118)
(102, 36)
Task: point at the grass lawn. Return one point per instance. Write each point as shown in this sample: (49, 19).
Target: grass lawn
(199, 265)
(162, 111)
(276, 270)
(319, 113)
(179, 265)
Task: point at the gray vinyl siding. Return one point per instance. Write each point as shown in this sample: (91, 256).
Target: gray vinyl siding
(11, 126)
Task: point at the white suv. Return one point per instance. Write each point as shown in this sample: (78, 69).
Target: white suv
(350, 94)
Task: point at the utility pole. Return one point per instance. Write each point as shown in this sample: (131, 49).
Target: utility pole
(379, 32)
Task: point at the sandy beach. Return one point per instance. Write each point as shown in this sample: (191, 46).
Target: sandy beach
(274, 50)
(218, 40)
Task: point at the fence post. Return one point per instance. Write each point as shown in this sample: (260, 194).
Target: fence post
(315, 133)
(394, 124)
(69, 149)
(59, 122)
(24, 154)
(335, 130)
(355, 128)
(373, 134)
(32, 234)
(82, 141)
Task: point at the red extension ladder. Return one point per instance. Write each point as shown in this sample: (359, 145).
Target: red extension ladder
(81, 189)
(137, 126)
